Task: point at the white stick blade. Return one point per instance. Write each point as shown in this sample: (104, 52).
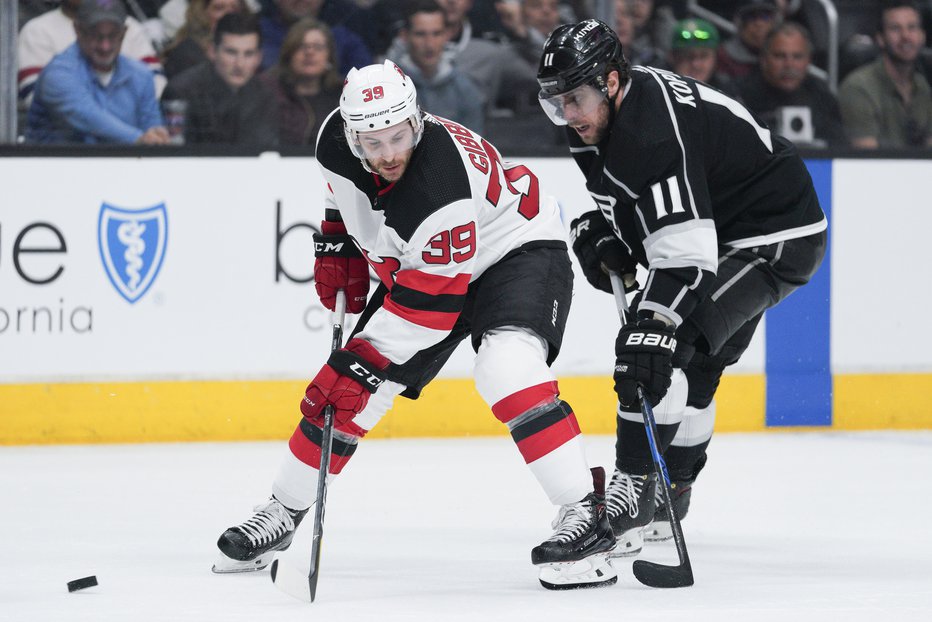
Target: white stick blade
(291, 580)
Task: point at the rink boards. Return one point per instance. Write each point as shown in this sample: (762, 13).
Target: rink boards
(171, 299)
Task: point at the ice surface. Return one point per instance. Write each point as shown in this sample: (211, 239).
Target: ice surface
(786, 527)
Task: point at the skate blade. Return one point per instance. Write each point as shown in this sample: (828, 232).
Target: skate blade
(593, 571)
(659, 531)
(628, 544)
(225, 565)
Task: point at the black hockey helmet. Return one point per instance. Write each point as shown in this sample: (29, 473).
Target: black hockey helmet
(578, 54)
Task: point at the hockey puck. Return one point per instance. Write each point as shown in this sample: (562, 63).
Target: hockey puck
(80, 584)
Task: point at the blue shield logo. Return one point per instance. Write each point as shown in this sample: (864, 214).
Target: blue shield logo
(132, 247)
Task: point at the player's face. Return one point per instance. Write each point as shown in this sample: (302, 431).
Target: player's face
(584, 109)
(388, 151)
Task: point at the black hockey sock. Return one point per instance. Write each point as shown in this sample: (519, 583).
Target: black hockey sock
(632, 451)
(684, 463)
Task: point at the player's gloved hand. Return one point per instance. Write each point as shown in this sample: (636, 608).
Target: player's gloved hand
(346, 381)
(600, 251)
(339, 265)
(644, 357)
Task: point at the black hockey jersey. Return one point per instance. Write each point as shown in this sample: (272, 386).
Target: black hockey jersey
(457, 210)
(685, 170)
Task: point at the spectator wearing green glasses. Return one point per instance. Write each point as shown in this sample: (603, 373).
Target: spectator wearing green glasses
(693, 53)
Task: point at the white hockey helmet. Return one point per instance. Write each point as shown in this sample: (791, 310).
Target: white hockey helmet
(377, 97)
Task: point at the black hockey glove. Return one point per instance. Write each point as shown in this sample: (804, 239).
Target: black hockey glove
(644, 356)
(599, 252)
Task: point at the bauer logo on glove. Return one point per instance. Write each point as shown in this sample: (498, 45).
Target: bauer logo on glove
(651, 339)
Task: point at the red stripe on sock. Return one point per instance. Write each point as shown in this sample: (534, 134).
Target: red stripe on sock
(539, 445)
(524, 400)
(308, 452)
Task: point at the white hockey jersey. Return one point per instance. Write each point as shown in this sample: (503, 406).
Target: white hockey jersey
(457, 210)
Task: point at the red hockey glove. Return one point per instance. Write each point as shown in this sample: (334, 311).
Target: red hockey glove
(346, 381)
(339, 265)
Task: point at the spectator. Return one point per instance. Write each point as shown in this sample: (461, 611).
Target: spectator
(653, 25)
(90, 93)
(888, 103)
(173, 14)
(281, 14)
(528, 23)
(305, 82)
(49, 34)
(441, 88)
(190, 45)
(739, 55)
(494, 65)
(30, 9)
(637, 52)
(226, 102)
(693, 53)
(798, 106)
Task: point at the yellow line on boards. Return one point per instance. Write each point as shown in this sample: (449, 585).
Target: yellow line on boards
(132, 412)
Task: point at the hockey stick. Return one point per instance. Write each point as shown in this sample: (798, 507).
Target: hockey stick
(288, 578)
(651, 573)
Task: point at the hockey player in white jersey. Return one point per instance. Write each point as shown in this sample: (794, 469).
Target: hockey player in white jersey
(465, 246)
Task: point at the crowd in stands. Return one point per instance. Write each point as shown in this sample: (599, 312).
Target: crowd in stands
(266, 73)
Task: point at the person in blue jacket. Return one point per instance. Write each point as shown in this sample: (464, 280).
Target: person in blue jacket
(90, 94)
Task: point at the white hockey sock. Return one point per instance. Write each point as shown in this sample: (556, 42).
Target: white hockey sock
(696, 427)
(295, 484)
(564, 473)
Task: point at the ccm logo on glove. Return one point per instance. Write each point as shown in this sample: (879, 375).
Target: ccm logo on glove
(328, 248)
(350, 376)
(366, 378)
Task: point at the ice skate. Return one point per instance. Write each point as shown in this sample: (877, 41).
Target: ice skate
(576, 555)
(630, 504)
(660, 530)
(252, 545)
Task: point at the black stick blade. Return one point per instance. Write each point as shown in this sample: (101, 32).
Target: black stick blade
(658, 575)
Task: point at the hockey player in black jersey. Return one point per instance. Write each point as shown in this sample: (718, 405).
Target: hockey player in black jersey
(720, 212)
(466, 247)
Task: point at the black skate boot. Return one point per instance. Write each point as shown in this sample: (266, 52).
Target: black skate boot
(660, 530)
(576, 555)
(630, 502)
(252, 544)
